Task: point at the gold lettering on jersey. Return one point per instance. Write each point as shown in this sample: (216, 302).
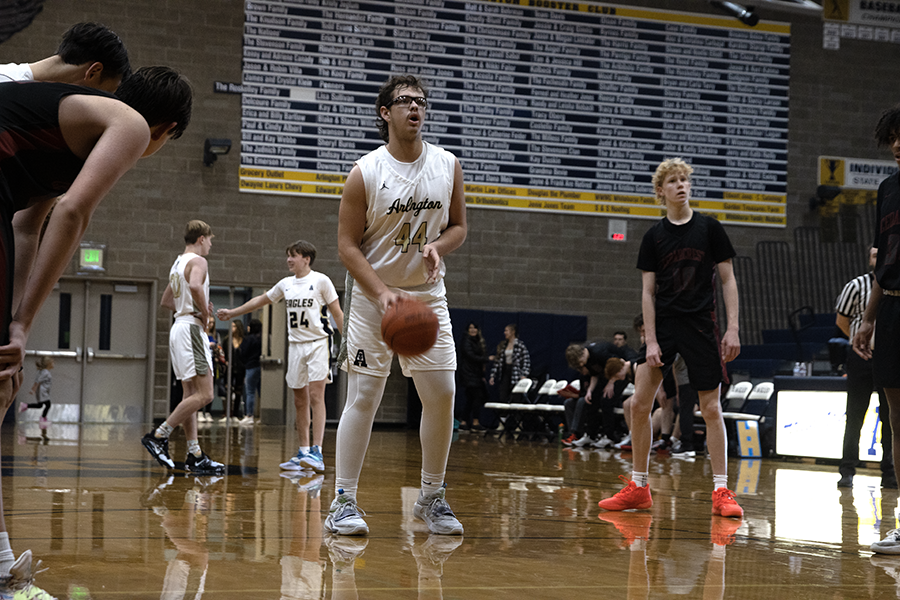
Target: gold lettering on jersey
(414, 207)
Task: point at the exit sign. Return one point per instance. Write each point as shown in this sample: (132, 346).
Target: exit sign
(90, 258)
(617, 231)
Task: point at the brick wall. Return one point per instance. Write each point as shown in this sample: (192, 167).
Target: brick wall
(511, 261)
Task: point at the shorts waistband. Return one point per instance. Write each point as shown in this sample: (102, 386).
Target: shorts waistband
(891, 292)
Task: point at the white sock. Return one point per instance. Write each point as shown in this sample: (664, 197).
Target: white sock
(348, 486)
(303, 449)
(720, 481)
(431, 483)
(193, 447)
(640, 479)
(7, 558)
(164, 430)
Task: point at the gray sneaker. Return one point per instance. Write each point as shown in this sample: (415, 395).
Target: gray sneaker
(437, 514)
(20, 581)
(889, 545)
(345, 517)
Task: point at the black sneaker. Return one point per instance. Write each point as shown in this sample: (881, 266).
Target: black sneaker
(203, 464)
(158, 449)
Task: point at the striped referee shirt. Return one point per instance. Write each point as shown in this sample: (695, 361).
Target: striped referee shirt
(853, 300)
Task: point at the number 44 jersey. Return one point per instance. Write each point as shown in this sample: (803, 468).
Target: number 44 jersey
(306, 300)
(408, 206)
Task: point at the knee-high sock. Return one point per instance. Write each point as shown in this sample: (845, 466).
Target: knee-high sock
(436, 389)
(363, 397)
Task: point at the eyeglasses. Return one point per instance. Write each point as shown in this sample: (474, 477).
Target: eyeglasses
(405, 101)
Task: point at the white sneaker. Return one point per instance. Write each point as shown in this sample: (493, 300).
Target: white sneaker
(582, 441)
(345, 517)
(247, 420)
(19, 583)
(626, 441)
(437, 514)
(603, 442)
(293, 463)
(889, 545)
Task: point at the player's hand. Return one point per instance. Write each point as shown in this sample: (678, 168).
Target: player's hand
(731, 346)
(608, 390)
(432, 263)
(13, 354)
(223, 314)
(388, 298)
(862, 341)
(587, 396)
(654, 355)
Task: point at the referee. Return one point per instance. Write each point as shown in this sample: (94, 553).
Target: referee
(851, 304)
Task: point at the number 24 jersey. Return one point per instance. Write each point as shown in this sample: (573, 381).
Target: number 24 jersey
(306, 300)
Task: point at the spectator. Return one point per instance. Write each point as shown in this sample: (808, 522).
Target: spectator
(512, 362)
(251, 351)
(238, 372)
(473, 356)
(590, 360)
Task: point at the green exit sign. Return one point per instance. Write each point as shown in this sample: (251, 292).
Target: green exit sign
(90, 258)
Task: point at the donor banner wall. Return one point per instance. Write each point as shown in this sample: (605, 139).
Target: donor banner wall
(549, 106)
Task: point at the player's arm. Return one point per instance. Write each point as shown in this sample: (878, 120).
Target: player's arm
(731, 341)
(226, 314)
(111, 137)
(455, 234)
(351, 225)
(648, 308)
(195, 274)
(862, 339)
(335, 308)
(589, 394)
(27, 226)
(168, 299)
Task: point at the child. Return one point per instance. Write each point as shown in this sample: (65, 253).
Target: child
(42, 388)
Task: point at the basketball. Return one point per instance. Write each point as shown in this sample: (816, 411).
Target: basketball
(409, 327)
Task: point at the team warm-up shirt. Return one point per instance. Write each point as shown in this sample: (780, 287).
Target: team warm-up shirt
(408, 206)
(684, 258)
(184, 302)
(15, 72)
(306, 300)
(887, 233)
(35, 161)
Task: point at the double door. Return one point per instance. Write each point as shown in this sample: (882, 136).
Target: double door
(98, 333)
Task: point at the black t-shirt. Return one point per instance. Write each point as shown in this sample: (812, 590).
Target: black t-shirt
(35, 161)
(598, 354)
(684, 258)
(887, 233)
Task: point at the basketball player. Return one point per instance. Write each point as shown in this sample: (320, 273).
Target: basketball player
(402, 210)
(187, 295)
(89, 54)
(101, 138)
(308, 296)
(885, 300)
(679, 258)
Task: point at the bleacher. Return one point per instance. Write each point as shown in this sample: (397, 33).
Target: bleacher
(806, 342)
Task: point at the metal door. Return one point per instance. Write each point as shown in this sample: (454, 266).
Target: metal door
(98, 333)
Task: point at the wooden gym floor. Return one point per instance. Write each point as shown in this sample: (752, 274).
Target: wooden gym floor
(110, 523)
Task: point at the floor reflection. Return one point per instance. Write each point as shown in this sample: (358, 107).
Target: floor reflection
(88, 501)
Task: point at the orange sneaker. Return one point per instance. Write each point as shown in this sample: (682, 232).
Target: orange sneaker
(724, 504)
(629, 497)
(632, 526)
(722, 530)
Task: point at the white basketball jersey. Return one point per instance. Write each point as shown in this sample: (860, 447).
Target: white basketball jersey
(306, 300)
(408, 207)
(184, 302)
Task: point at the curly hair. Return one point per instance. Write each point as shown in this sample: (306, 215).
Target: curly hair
(888, 126)
(386, 93)
(666, 168)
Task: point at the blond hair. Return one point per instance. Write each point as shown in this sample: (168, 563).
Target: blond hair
(44, 362)
(666, 168)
